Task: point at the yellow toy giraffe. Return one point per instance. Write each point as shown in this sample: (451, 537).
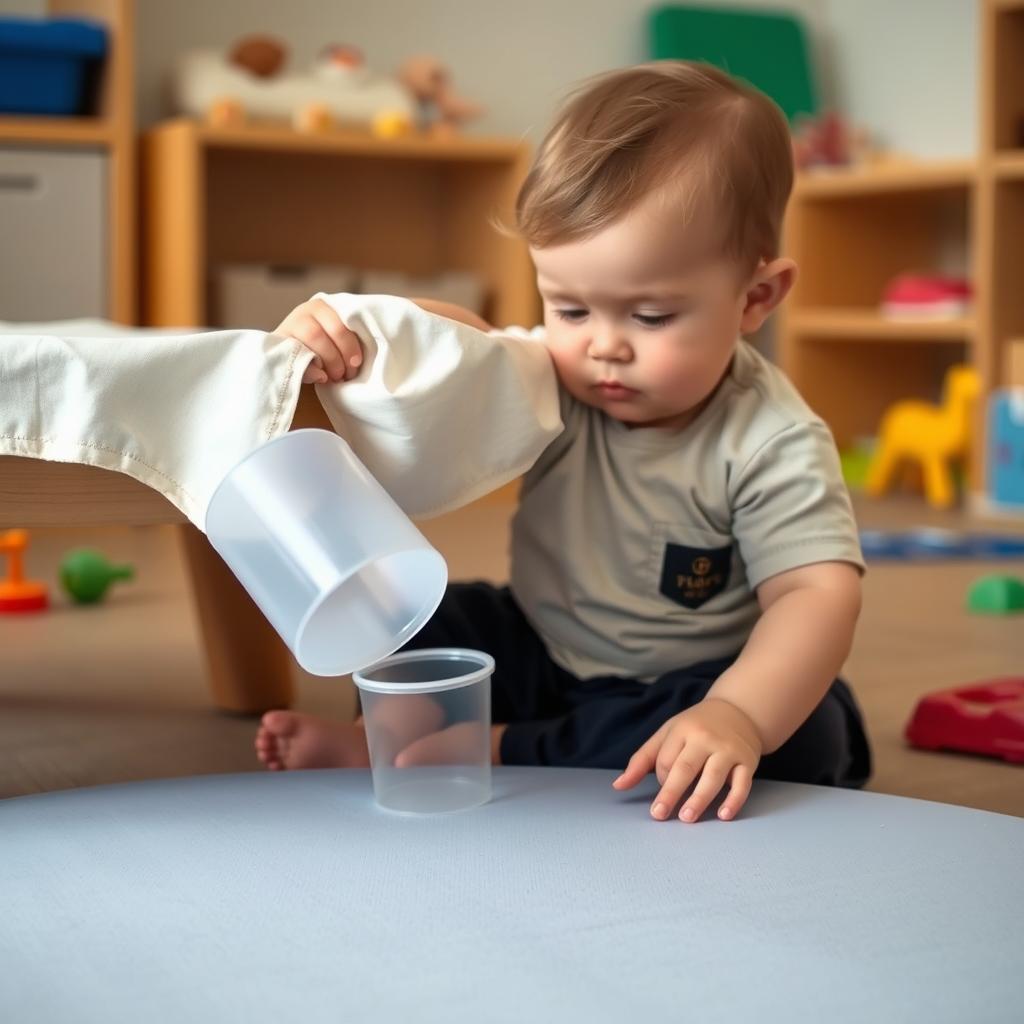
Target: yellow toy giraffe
(931, 435)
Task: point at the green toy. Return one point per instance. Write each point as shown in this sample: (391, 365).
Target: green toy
(996, 595)
(856, 460)
(86, 574)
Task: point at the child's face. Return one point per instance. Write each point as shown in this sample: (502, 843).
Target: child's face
(642, 318)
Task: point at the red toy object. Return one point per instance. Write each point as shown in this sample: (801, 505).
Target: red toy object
(926, 296)
(18, 594)
(983, 718)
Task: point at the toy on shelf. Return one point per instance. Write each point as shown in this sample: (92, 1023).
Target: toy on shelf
(86, 574)
(828, 140)
(926, 297)
(928, 544)
(1006, 450)
(997, 594)
(250, 81)
(441, 109)
(983, 718)
(855, 460)
(933, 436)
(339, 89)
(18, 594)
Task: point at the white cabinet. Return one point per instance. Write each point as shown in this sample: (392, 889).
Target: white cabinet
(53, 234)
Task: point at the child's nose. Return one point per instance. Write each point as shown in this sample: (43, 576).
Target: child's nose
(608, 343)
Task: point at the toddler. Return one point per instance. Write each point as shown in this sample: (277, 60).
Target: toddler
(685, 566)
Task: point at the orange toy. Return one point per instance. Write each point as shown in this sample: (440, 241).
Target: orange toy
(930, 435)
(18, 594)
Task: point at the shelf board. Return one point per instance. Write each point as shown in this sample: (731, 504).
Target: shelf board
(828, 324)
(888, 176)
(282, 138)
(1009, 164)
(67, 131)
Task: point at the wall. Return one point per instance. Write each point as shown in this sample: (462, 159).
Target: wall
(517, 58)
(905, 68)
(908, 69)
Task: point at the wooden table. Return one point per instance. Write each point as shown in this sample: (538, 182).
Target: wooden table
(249, 665)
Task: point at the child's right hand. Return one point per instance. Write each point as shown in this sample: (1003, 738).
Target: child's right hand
(339, 352)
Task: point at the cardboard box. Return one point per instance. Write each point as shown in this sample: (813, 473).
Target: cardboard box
(461, 287)
(261, 295)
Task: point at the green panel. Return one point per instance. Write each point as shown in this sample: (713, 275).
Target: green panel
(768, 50)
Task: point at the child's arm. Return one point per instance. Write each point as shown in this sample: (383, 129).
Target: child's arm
(339, 353)
(453, 312)
(791, 658)
(438, 410)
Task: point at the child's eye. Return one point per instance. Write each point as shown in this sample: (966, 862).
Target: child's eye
(653, 320)
(574, 316)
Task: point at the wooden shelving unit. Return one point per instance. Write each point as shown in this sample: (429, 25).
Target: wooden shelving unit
(852, 230)
(111, 129)
(274, 195)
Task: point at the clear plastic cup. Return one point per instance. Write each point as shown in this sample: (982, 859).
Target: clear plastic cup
(335, 565)
(427, 715)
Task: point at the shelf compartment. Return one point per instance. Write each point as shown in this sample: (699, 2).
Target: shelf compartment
(867, 325)
(1005, 73)
(850, 385)
(850, 247)
(271, 195)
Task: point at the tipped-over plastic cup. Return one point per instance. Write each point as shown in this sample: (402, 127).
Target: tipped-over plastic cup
(427, 715)
(328, 556)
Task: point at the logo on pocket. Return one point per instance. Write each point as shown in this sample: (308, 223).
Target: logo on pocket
(692, 576)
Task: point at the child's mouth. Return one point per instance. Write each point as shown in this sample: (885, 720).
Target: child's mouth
(613, 389)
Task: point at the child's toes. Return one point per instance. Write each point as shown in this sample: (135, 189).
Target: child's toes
(280, 724)
(268, 749)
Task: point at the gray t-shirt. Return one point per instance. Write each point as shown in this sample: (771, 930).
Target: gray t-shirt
(637, 551)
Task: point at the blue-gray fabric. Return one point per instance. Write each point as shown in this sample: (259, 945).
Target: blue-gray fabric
(293, 897)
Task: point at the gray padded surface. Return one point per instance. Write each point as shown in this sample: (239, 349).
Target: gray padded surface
(292, 897)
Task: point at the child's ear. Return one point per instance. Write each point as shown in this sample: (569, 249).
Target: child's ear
(767, 288)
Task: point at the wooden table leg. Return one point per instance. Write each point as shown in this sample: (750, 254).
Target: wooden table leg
(249, 664)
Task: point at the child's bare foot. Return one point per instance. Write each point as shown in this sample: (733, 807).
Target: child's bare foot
(290, 740)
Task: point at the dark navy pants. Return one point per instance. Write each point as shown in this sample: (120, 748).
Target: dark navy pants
(556, 719)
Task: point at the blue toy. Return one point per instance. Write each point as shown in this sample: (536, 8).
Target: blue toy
(934, 545)
(1006, 448)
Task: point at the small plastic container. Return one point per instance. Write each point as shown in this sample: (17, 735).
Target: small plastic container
(328, 556)
(434, 704)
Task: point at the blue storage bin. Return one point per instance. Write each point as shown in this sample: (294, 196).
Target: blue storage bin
(47, 66)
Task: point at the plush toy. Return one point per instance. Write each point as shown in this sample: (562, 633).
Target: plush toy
(440, 108)
(250, 81)
(829, 140)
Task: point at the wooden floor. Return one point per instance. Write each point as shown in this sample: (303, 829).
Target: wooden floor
(117, 692)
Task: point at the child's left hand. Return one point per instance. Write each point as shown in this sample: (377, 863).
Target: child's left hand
(714, 741)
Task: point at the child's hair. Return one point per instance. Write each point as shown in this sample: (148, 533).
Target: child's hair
(628, 132)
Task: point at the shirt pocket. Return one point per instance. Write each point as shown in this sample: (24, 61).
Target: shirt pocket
(690, 566)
